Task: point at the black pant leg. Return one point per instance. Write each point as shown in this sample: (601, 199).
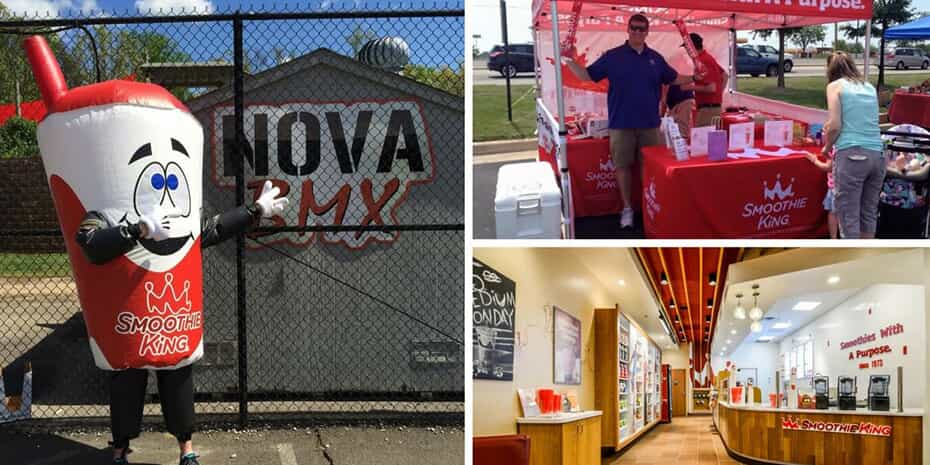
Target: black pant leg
(127, 398)
(176, 390)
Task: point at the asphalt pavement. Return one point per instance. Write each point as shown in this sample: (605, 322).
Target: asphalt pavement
(388, 445)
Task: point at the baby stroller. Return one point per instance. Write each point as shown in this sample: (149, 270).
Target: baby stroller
(902, 208)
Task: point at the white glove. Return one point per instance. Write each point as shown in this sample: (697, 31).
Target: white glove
(268, 204)
(158, 222)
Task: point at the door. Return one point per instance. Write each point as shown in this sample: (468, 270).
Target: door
(679, 397)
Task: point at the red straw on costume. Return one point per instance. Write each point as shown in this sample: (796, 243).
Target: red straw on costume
(45, 67)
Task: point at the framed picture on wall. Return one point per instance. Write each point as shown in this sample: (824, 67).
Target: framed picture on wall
(566, 348)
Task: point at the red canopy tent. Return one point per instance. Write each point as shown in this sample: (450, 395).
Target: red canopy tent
(600, 25)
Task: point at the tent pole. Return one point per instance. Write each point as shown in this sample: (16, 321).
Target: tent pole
(732, 81)
(568, 218)
(868, 48)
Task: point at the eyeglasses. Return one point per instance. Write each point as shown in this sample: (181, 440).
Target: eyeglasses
(639, 28)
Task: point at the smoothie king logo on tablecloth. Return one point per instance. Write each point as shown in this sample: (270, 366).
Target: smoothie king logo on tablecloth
(862, 428)
(652, 202)
(605, 177)
(171, 313)
(775, 209)
(345, 163)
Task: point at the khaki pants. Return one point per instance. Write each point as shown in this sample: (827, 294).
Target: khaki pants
(705, 116)
(625, 144)
(681, 113)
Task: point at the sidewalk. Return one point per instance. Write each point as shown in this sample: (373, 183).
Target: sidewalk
(388, 445)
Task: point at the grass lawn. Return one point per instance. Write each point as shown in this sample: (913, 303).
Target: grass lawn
(490, 104)
(490, 112)
(809, 91)
(45, 265)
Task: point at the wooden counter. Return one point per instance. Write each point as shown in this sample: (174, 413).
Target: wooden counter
(762, 435)
(564, 439)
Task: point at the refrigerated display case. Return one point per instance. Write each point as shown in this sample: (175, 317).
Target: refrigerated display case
(626, 372)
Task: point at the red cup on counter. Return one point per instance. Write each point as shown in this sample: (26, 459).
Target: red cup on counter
(544, 399)
(736, 395)
(556, 403)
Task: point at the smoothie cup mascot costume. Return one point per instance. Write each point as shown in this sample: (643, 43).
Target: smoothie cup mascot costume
(124, 164)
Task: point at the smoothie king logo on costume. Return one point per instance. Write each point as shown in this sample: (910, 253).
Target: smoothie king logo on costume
(775, 209)
(170, 313)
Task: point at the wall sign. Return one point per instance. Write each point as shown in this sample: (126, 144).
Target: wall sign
(341, 163)
(492, 317)
(862, 428)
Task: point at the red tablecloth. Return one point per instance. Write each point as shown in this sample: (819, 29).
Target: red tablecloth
(768, 197)
(910, 108)
(594, 179)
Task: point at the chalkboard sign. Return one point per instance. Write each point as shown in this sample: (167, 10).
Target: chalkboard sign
(493, 310)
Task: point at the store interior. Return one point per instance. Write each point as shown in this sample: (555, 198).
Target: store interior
(667, 333)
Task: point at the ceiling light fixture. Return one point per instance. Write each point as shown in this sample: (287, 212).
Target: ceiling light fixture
(671, 304)
(765, 339)
(740, 312)
(805, 306)
(665, 326)
(732, 331)
(755, 313)
(712, 280)
(833, 279)
(782, 325)
(663, 279)
(710, 303)
(621, 282)
(756, 327)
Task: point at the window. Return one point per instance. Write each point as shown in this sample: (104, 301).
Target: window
(769, 49)
(809, 359)
(753, 53)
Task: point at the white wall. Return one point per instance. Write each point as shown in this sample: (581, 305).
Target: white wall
(544, 277)
(762, 357)
(891, 304)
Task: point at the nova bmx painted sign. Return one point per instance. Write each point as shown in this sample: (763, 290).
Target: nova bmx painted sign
(342, 163)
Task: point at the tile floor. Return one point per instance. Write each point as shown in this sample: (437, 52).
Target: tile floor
(686, 441)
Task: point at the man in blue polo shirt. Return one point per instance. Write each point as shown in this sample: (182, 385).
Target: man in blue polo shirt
(635, 73)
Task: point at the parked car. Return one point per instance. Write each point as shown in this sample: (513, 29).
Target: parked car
(749, 61)
(906, 57)
(772, 52)
(522, 59)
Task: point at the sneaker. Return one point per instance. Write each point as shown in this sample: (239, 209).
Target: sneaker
(626, 218)
(189, 459)
(122, 459)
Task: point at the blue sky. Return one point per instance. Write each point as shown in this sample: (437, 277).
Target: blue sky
(432, 41)
(518, 22)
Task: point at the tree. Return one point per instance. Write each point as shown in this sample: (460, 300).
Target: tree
(888, 13)
(808, 35)
(18, 138)
(443, 77)
(359, 37)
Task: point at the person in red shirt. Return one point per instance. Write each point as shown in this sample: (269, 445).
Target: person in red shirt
(708, 91)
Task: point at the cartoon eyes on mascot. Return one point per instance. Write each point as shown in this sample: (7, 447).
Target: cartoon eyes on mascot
(124, 163)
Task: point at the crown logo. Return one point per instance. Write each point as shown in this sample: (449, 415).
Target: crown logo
(777, 190)
(609, 166)
(168, 301)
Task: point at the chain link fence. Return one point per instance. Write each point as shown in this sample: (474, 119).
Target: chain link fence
(348, 305)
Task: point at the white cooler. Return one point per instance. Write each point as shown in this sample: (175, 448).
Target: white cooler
(528, 202)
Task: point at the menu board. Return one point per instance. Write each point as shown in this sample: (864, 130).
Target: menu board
(493, 311)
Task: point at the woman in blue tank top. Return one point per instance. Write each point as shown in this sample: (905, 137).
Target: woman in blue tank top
(852, 129)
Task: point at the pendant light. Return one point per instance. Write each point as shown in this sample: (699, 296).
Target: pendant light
(740, 312)
(755, 313)
(756, 327)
